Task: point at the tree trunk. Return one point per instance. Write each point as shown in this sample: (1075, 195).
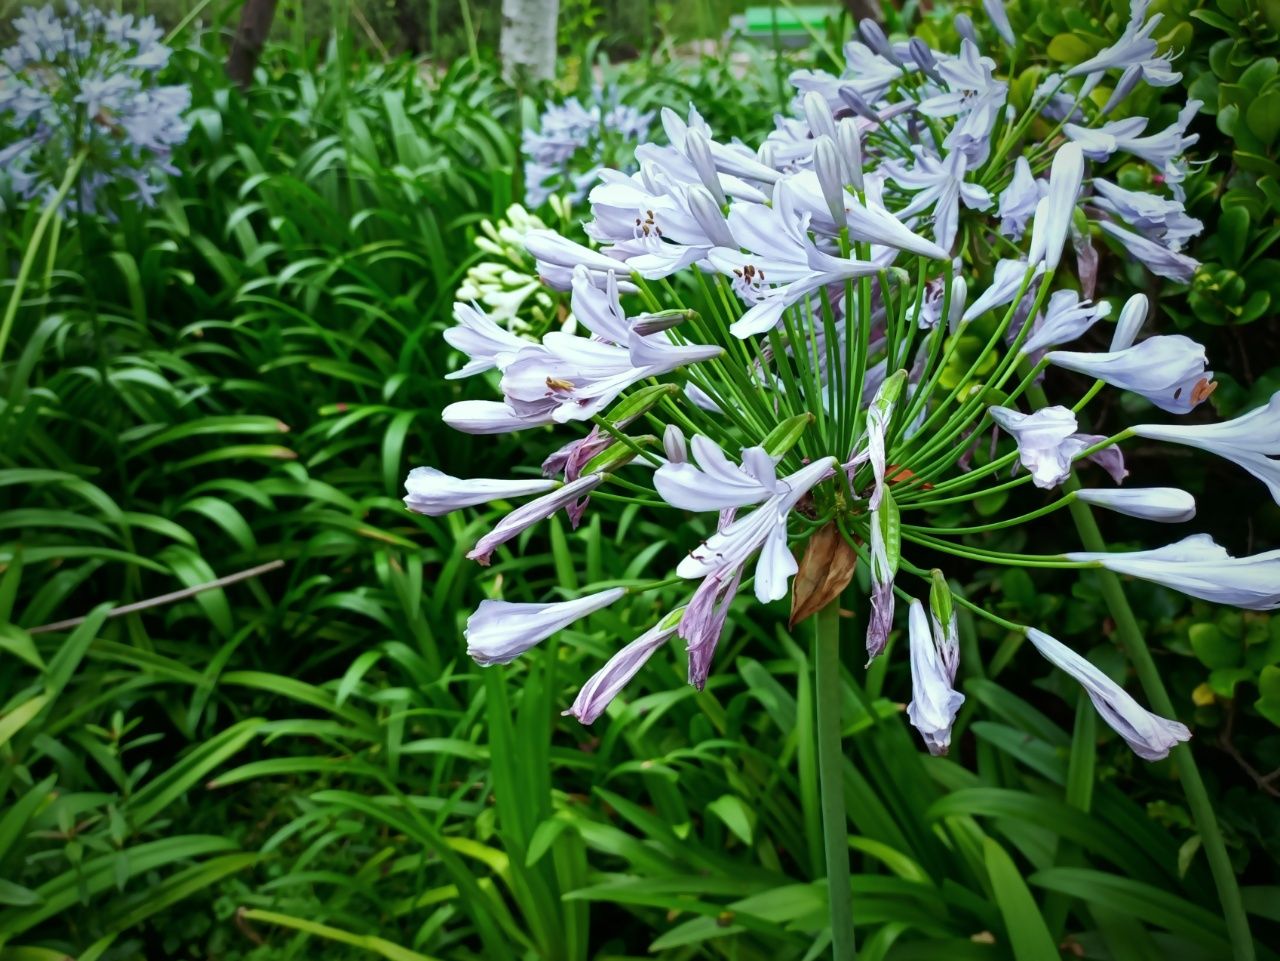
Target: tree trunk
(868, 9)
(251, 35)
(528, 44)
(410, 24)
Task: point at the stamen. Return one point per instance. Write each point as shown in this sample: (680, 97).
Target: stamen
(1203, 389)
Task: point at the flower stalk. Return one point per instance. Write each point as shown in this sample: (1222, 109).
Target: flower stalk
(829, 692)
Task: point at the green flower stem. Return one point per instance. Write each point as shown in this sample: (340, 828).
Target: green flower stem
(966, 480)
(929, 501)
(721, 312)
(982, 612)
(974, 409)
(929, 432)
(835, 834)
(1090, 394)
(625, 440)
(33, 247)
(1026, 382)
(994, 557)
(911, 314)
(994, 525)
(672, 410)
(1135, 647)
(938, 340)
(623, 499)
(805, 379)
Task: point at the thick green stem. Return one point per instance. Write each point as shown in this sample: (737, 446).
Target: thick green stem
(1135, 647)
(835, 833)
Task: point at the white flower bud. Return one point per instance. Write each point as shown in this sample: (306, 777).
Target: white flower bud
(818, 115)
(710, 217)
(850, 143)
(826, 164)
(1132, 317)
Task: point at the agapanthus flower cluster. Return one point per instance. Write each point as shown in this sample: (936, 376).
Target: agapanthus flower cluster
(574, 142)
(771, 336)
(86, 82)
(506, 284)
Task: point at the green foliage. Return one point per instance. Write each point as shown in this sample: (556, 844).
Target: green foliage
(304, 764)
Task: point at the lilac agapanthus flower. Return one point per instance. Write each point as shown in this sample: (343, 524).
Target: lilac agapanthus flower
(766, 332)
(575, 141)
(88, 82)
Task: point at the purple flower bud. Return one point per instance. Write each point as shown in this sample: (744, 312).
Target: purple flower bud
(698, 149)
(924, 59)
(999, 19)
(673, 444)
(1054, 211)
(1165, 504)
(956, 309)
(531, 513)
(1127, 84)
(873, 36)
(858, 105)
(608, 682)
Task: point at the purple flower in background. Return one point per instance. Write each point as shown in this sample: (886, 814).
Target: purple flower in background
(1160, 260)
(1065, 319)
(1000, 20)
(1161, 150)
(573, 142)
(1134, 54)
(87, 82)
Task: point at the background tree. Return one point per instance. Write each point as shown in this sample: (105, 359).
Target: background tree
(251, 34)
(528, 44)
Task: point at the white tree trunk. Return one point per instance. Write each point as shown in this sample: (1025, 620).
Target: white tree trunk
(528, 44)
